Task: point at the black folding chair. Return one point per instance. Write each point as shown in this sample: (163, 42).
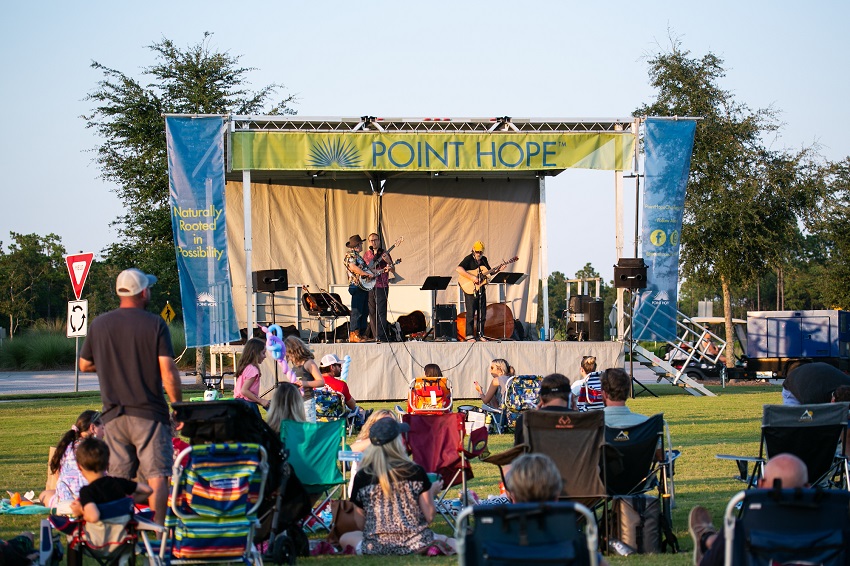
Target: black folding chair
(638, 462)
(788, 526)
(813, 433)
(526, 533)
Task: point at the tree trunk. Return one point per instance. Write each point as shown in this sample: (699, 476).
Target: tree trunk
(200, 365)
(730, 331)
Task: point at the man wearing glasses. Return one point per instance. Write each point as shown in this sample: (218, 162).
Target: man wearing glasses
(380, 292)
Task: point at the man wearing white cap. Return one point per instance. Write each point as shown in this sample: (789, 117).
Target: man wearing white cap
(130, 349)
(331, 368)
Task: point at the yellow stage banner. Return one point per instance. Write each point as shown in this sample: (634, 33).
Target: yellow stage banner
(376, 151)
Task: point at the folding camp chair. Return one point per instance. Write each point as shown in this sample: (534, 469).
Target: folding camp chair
(521, 394)
(439, 444)
(637, 462)
(313, 454)
(788, 526)
(810, 432)
(111, 540)
(430, 396)
(212, 515)
(526, 533)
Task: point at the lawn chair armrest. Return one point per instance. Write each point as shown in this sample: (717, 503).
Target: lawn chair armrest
(148, 525)
(506, 457)
(754, 459)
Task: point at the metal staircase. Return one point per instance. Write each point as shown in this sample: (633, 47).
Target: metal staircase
(688, 347)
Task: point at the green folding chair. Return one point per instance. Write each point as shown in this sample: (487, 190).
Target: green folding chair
(313, 454)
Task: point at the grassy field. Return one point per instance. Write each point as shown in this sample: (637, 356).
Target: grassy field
(701, 427)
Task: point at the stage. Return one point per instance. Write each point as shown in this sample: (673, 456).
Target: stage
(383, 371)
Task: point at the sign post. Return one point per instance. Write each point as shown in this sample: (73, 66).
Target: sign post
(78, 311)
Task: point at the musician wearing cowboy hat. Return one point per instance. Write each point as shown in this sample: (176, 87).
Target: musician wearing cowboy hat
(356, 267)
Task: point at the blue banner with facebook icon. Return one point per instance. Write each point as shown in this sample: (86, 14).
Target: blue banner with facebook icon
(196, 197)
(668, 145)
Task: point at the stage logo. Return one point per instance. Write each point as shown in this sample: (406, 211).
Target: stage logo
(331, 154)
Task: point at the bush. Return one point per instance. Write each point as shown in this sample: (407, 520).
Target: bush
(44, 346)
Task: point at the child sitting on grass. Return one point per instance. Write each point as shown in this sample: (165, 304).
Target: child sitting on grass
(93, 460)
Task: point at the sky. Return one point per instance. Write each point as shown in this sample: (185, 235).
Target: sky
(532, 59)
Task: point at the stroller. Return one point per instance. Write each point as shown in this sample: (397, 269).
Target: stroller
(429, 396)
(234, 479)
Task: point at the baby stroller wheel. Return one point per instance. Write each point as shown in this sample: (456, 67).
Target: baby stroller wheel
(283, 550)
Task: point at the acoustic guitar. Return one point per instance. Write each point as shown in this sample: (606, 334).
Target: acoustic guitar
(378, 266)
(482, 276)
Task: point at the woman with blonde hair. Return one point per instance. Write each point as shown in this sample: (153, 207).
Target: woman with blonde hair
(393, 498)
(587, 390)
(307, 373)
(500, 372)
(286, 405)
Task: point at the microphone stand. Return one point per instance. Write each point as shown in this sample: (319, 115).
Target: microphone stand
(479, 299)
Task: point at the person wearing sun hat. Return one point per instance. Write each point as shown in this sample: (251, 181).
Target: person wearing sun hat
(356, 267)
(130, 349)
(393, 497)
(469, 269)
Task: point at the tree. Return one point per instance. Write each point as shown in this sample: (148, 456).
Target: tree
(743, 199)
(128, 116)
(31, 273)
(831, 227)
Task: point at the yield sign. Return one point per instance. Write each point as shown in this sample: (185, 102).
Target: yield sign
(78, 269)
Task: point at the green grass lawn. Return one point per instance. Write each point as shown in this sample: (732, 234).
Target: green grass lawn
(701, 427)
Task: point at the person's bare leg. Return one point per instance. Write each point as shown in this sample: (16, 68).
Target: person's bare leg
(159, 498)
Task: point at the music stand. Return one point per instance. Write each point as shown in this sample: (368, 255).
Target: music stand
(435, 283)
(508, 278)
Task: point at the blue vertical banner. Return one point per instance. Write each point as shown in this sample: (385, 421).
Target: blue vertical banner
(668, 145)
(196, 187)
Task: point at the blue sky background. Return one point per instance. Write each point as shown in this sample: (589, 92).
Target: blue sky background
(409, 59)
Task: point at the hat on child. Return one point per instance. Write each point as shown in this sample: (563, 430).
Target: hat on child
(132, 281)
(328, 360)
(386, 430)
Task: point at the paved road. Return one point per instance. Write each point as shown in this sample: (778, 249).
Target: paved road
(17, 382)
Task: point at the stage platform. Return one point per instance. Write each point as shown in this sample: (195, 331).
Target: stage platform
(383, 371)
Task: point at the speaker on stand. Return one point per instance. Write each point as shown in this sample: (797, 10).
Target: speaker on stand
(594, 319)
(576, 327)
(630, 273)
(271, 281)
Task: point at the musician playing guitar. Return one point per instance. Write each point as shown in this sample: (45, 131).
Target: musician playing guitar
(380, 262)
(470, 270)
(357, 268)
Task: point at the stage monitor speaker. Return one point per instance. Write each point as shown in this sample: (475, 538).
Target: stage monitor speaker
(630, 273)
(446, 312)
(446, 330)
(595, 318)
(577, 307)
(270, 281)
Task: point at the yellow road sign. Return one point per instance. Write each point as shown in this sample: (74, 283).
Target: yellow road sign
(168, 313)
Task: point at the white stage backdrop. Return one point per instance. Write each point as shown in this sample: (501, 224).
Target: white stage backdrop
(303, 229)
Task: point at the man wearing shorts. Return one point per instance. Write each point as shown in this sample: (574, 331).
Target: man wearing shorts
(130, 349)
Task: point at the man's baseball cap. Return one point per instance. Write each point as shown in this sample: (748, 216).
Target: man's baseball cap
(329, 360)
(386, 430)
(131, 282)
(478, 246)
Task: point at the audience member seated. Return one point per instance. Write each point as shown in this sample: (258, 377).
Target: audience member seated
(331, 368)
(554, 396)
(616, 386)
(64, 477)
(534, 478)
(93, 460)
(500, 372)
(709, 543)
(18, 550)
(812, 383)
(393, 498)
(432, 370)
(362, 442)
(587, 391)
(286, 404)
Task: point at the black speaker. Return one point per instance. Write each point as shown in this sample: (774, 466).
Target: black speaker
(446, 312)
(577, 307)
(447, 330)
(270, 281)
(594, 317)
(630, 273)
